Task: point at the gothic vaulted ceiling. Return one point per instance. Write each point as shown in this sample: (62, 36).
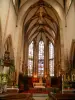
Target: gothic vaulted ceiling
(61, 2)
(41, 21)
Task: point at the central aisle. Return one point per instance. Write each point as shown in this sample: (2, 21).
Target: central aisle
(38, 96)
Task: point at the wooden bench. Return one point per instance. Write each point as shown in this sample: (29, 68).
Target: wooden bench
(16, 96)
(60, 96)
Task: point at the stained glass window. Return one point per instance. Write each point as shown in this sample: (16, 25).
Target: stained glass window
(51, 59)
(41, 59)
(30, 59)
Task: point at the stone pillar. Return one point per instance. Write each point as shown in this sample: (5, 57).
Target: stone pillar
(57, 57)
(25, 56)
(46, 59)
(36, 59)
(62, 58)
(63, 67)
(35, 62)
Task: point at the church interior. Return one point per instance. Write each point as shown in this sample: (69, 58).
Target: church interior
(37, 49)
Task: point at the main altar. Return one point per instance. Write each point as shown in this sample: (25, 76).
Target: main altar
(39, 84)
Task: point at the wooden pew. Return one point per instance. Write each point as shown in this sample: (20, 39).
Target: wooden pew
(60, 96)
(16, 96)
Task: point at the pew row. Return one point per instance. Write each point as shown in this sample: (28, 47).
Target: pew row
(60, 96)
(16, 96)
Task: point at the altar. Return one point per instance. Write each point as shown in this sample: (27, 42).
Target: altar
(39, 86)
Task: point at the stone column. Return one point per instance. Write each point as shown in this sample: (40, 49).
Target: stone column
(63, 67)
(46, 59)
(35, 62)
(36, 59)
(25, 56)
(57, 57)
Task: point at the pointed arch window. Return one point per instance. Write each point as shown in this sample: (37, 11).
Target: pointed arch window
(30, 59)
(51, 59)
(41, 59)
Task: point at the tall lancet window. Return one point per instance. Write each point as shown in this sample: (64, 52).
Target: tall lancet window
(30, 59)
(51, 59)
(41, 59)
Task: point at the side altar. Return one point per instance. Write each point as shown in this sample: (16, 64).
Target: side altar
(7, 71)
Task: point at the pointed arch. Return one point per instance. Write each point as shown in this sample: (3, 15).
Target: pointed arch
(59, 13)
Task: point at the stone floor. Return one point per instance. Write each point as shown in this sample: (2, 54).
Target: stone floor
(38, 96)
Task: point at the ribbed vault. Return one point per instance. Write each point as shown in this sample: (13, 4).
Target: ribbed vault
(41, 19)
(41, 23)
